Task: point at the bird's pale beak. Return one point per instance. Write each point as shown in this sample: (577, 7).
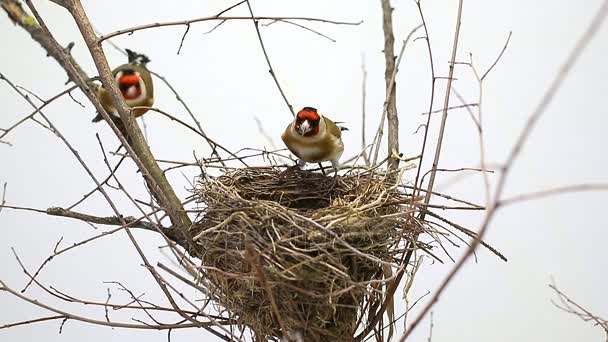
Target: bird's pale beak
(304, 127)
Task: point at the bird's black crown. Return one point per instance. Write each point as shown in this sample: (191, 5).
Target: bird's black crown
(137, 58)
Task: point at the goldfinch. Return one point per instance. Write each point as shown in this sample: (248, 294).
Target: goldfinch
(314, 138)
(135, 84)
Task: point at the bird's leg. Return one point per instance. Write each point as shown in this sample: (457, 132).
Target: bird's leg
(322, 168)
(336, 165)
(292, 169)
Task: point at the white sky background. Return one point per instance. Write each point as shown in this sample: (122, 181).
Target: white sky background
(224, 78)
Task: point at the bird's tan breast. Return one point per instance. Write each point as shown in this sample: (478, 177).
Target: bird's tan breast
(313, 150)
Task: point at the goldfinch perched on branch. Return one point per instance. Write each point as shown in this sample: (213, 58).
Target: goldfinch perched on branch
(135, 84)
(314, 138)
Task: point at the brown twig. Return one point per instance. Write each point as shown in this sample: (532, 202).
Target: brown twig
(391, 86)
(302, 27)
(69, 316)
(108, 220)
(479, 120)
(570, 306)
(42, 319)
(465, 105)
(210, 141)
(363, 104)
(389, 92)
(31, 115)
(562, 190)
(218, 18)
(270, 70)
(3, 201)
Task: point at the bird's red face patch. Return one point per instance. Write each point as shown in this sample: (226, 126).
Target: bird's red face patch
(307, 122)
(308, 114)
(129, 86)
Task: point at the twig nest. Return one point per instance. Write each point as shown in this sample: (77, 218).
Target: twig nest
(297, 251)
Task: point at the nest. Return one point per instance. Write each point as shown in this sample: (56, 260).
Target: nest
(297, 251)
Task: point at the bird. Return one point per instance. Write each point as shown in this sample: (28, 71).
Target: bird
(314, 138)
(134, 82)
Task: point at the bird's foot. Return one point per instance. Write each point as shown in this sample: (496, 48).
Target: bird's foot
(336, 165)
(289, 171)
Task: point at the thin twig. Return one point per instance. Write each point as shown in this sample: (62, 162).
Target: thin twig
(219, 18)
(562, 190)
(378, 137)
(363, 104)
(270, 70)
(570, 306)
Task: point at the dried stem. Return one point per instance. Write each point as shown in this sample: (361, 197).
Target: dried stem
(389, 92)
(270, 70)
(391, 84)
(66, 315)
(363, 104)
(219, 18)
(570, 306)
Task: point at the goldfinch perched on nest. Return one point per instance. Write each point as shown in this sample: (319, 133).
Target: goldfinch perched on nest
(314, 138)
(135, 84)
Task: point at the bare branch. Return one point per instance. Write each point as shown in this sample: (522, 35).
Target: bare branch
(3, 201)
(43, 319)
(504, 48)
(391, 86)
(219, 18)
(363, 104)
(558, 191)
(302, 27)
(181, 43)
(389, 92)
(570, 306)
(108, 220)
(31, 115)
(270, 70)
(67, 316)
(465, 105)
(263, 132)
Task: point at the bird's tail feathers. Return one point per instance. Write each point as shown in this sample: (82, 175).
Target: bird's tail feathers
(342, 128)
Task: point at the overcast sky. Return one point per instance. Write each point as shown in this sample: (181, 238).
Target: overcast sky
(224, 78)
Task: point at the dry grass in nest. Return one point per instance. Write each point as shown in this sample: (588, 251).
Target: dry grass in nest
(299, 250)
